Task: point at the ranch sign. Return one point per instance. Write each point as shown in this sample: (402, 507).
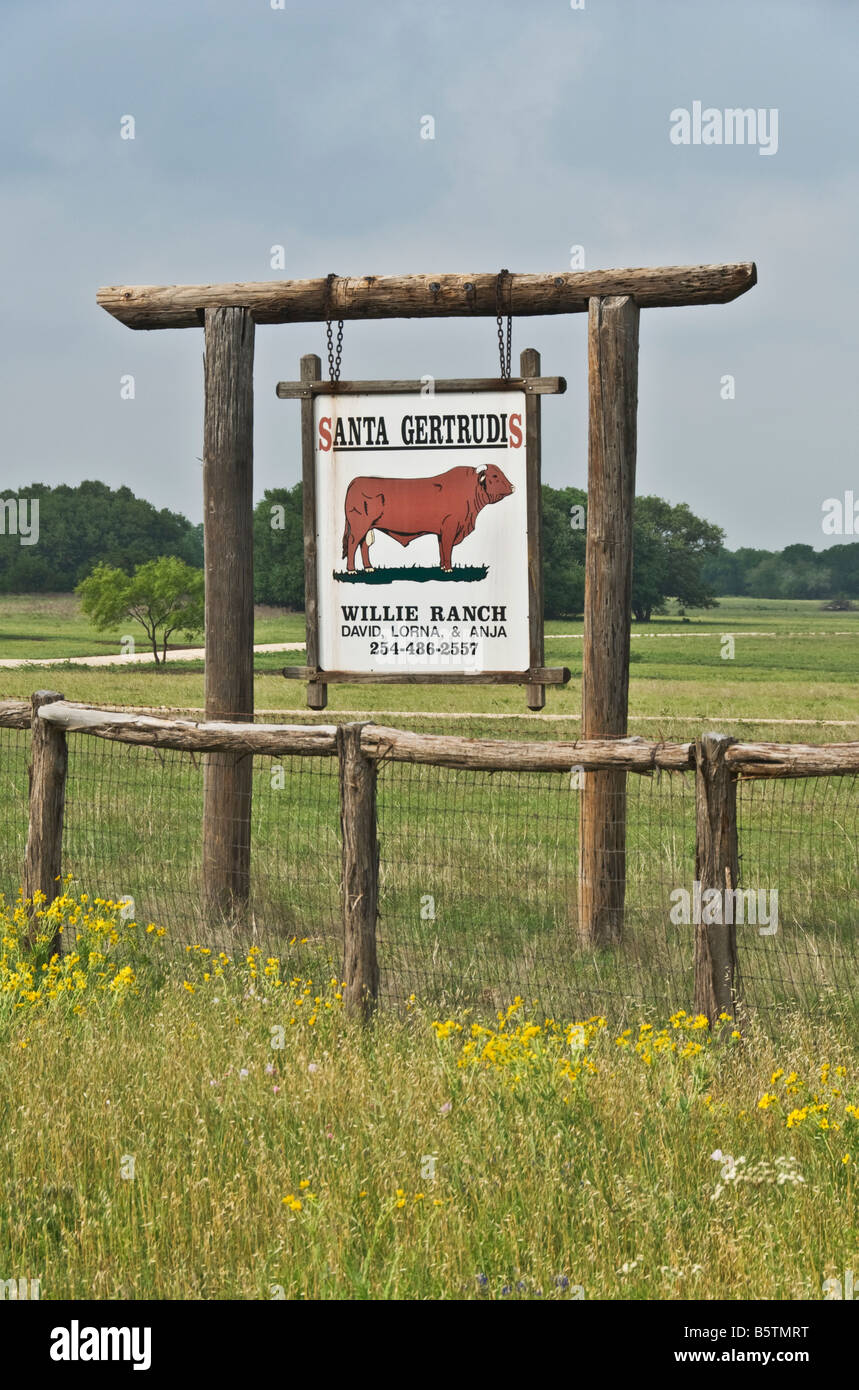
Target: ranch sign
(422, 531)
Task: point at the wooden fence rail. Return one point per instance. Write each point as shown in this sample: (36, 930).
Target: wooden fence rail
(718, 762)
(15, 714)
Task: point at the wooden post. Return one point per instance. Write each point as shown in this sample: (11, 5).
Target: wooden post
(228, 544)
(49, 762)
(317, 691)
(360, 886)
(613, 400)
(716, 866)
(529, 366)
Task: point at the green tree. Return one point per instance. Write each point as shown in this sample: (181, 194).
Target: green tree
(563, 551)
(798, 571)
(163, 595)
(766, 579)
(723, 572)
(279, 548)
(669, 547)
(91, 522)
(806, 574)
(842, 561)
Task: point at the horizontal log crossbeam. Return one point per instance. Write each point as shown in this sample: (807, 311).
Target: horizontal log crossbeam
(499, 755)
(425, 296)
(747, 760)
(15, 714)
(390, 745)
(792, 759)
(212, 736)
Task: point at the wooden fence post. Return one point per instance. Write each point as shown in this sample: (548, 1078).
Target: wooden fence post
(49, 761)
(360, 886)
(228, 546)
(716, 866)
(613, 400)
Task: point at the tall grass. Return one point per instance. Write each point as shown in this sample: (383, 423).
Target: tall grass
(220, 1129)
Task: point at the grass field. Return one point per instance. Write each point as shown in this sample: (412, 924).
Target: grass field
(34, 627)
(791, 661)
(223, 1131)
(544, 1181)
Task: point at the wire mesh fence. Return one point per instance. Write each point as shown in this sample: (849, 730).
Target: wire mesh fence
(479, 876)
(14, 790)
(799, 848)
(133, 828)
(480, 891)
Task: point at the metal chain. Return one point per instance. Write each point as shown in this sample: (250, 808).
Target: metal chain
(333, 362)
(504, 353)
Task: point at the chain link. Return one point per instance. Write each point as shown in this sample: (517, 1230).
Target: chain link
(505, 346)
(504, 351)
(333, 360)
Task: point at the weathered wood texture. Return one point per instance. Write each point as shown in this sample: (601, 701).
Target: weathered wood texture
(192, 737)
(48, 766)
(424, 296)
(793, 759)
(14, 714)
(360, 867)
(613, 401)
(228, 544)
(529, 366)
(497, 755)
(377, 741)
(716, 866)
(538, 386)
(543, 675)
(317, 693)
(633, 754)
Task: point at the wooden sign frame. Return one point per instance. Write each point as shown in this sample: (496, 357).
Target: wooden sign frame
(538, 675)
(227, 315)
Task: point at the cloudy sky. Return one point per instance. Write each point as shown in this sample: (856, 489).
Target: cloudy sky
(301, 126)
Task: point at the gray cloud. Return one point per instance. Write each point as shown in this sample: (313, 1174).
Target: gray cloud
(301, 127)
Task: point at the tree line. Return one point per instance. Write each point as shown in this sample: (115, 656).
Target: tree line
(798, 571)
(677, 555)
(669, 546)
(78, 527)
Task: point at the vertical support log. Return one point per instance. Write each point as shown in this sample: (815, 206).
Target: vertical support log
(529, 365)
(49, 762)
(228, 543)
(360, 887)
(716, 866)
(613, 401)
(317, 691)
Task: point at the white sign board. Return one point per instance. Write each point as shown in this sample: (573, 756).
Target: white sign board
(421, 532)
